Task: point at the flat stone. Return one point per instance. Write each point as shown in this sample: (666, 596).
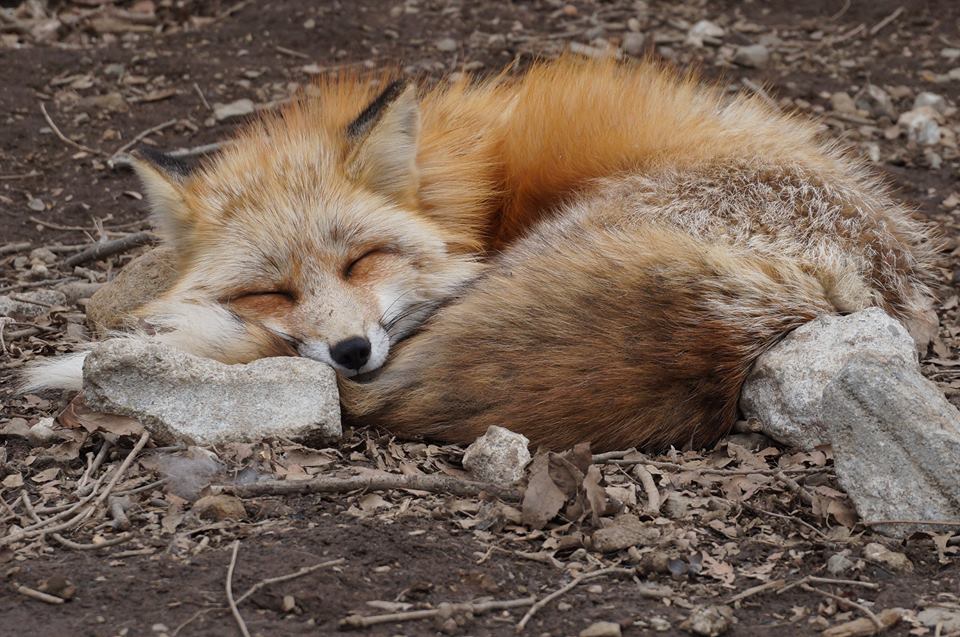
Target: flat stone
(602, 629)
(891, 559)
(784, 390)
(30, 304)
(179, 397)
(754, 56)
(624, 532)
(220, 507)
(896, 443)
(498, 456)
(142, 280)
(239, 108)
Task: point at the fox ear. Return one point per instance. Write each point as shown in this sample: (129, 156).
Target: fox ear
(163, 177)
(384, 140)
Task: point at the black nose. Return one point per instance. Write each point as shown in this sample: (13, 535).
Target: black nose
(352, 353)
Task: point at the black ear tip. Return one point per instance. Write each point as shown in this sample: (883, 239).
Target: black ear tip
(374, 110)
(162, 161)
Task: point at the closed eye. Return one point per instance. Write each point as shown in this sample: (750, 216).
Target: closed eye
(281, 294)
(353, 265)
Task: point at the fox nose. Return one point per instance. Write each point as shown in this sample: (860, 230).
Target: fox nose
(352, 353)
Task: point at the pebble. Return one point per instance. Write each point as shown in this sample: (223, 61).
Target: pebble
(921, 125)
(891, 559)
(602, 629)
(499, 456)
(239, 108)
(754, 56)
(932, 100)
(633, 43)
(446, 45)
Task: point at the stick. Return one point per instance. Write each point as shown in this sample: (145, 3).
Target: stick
(144, 437)
(11, 248)
(382, 482)
(879, 26)
(653, 494)
(64, 138)
(795, 487)
(672, 466)
(613, 570)
(140, 137)
(108, 248)
(843, 600)
(291, 52)
(229, 586)
(197, 150)
(863, 626)
(358, 621)
(284, 578)
(37, 595)
(203, 98)
(70, 544)
(920, 522)
(36, 284)
(849, 34)
(755, 590)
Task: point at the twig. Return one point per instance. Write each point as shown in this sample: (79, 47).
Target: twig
(64, 138)
(849, 34)
(612, 570)
(144, 437)
(378, 482)
(205, 149)
(57, 226)
(864, 626)
(756, 590)
(203, 98)
(653, 494)
(879, 26)
(11, 248)
(846, 602)
(291, 52)
(795, 487)
(475, 608)
(36, 284)
(32, 173)
(97, 461)
(842, 582)
(70, 544)
(150, 131)
(673, 466)
(918, 522)
(843, 9)
(37, 595)
(284, 578)
(108, 248)
(229, 587)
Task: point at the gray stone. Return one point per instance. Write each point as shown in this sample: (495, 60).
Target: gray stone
(76, 290)
(877, 101)
(498, 456)
(633, 43)
(180, 397)
(754, 56)
(838, 564)
(877, 552)
(31, 304)
(602, 629)
(142, 280)
(785, 388)
(704, 30)
(843, 103)
(932, 100)
(623, 532)
(896, 443)
(921, 125)
(238, 108)
(447, 45)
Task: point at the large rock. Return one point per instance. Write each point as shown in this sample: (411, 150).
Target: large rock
(200, 401)
(896, 443)
(785, 388)
(142, 280)
(29, 305)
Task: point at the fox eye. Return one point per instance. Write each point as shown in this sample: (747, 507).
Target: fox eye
(281, 295)
(357, 265)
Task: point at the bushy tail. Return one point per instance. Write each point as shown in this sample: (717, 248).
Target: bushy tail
(622, 337)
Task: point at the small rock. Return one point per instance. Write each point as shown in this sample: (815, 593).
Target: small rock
(947, 619)
(877, 101)
(709, 621)
(659, 624)
(893, 433)
(633, 43)
(447, 45)
(921, 125)
(838, 564)
(31, 304)
(843, 103)
(784, 391)
(754, 56)
(704, 29)
(498, 456)
(891, 559)
(107, 103)
(220, 507)
(931, 100)
(43, 255)
(76, 290)
(142, 280)
(180, 397)
(36, 205)
(239, 108)
(625, 531)
(601, 629)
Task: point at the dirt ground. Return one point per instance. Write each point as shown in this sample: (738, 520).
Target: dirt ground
(109, 73)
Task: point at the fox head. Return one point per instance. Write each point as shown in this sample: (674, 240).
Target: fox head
(303, 236)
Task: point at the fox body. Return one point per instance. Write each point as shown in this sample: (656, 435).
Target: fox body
(592, 251)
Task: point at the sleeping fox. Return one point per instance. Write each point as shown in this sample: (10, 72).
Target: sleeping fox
(591, 251)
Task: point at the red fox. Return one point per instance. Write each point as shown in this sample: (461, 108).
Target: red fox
(592, 251)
